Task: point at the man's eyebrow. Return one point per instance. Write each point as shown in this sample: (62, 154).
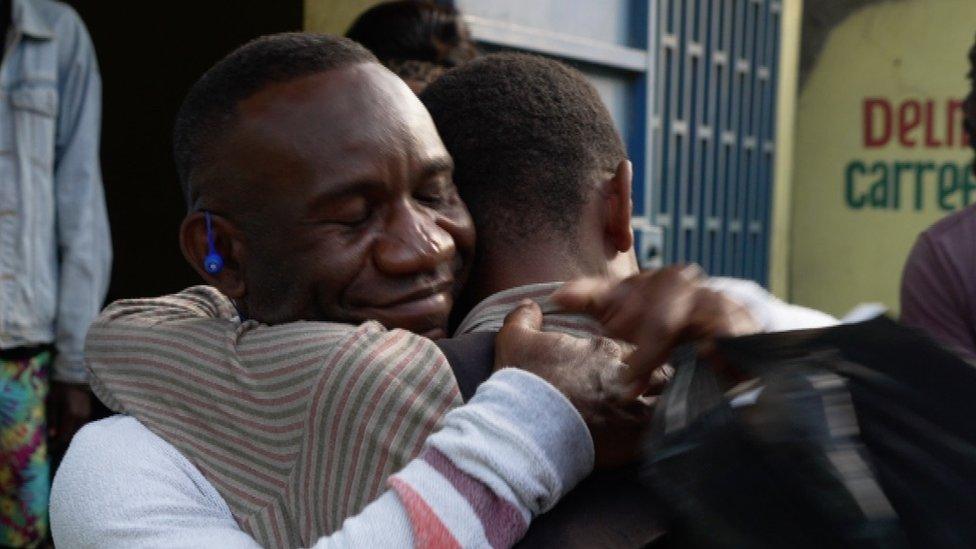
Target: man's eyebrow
(436, 166)
(342, 191)
(350, 187)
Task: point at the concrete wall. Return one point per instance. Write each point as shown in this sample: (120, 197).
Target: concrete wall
(862, 190)
(820, 17)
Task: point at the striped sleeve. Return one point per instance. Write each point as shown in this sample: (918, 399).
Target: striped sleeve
(192, 303)
(297, 426)
(131, 332)
(378, 398)
(484, 476)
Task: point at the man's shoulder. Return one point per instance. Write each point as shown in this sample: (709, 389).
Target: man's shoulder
(120, 485)
(340, 337)
(112, 457)
(314, 331)
(204, 312)
(57, 16)
(51, 11)
(120, 441)
(964, 219)
(471, 357)
(953, 232)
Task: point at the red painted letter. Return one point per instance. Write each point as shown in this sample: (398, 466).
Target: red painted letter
(908, 122)
(872, 105)
(930, 140)
(955, 114)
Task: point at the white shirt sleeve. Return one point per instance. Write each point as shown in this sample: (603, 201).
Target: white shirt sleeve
(773, 314)
(122, 486)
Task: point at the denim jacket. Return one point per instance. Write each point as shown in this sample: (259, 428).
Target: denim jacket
(55, 248)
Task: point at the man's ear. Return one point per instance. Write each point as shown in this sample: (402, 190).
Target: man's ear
(618, 207)
(227, 242)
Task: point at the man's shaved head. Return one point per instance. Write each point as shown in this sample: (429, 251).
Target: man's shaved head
(328, 188)
(210, 107)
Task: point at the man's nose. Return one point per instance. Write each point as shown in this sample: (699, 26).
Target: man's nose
(413, 243)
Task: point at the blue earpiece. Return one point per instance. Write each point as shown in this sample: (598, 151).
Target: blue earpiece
(213, 263)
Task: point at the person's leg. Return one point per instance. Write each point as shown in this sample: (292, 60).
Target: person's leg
(24, 468)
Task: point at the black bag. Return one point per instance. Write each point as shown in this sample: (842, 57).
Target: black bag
(859, 435)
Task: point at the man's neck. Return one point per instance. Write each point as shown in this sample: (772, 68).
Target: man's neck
(508, 268)
(489, 315)
(499, 280)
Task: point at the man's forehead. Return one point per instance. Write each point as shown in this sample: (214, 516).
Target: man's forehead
(358, 123)
(356, 98)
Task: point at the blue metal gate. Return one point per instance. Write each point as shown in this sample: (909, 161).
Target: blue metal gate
(691, 85)
(713, 135)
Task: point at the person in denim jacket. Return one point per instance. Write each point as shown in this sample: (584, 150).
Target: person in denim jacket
(55, 249)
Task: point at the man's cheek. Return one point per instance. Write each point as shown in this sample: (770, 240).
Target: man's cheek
(339, 278)
(463, 233)
(459, 281)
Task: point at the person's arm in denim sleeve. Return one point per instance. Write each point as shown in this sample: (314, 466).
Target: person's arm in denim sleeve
(84, 243)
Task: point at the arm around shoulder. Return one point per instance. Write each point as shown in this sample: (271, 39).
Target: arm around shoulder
(121, 486)
(481, 479)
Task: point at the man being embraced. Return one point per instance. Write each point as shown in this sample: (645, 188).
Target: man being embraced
(288, 404)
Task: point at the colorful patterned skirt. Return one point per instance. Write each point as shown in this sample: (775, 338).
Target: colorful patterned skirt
(24, 468)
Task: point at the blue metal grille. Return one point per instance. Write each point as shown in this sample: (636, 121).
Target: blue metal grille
(692, 87)
(712, 141)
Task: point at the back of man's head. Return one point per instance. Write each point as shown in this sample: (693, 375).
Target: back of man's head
(210, 107)
(530, 137)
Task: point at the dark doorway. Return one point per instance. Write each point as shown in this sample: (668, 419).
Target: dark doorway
(150, 53)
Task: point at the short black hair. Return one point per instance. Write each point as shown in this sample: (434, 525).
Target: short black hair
(528, 135)
(211, 104)
(416, 39)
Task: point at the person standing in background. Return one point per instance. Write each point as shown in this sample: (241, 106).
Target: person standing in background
(416, 39)
(938, 286)
(55, 249)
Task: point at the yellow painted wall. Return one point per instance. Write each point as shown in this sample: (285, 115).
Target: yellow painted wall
(900, 51)
(333, 16)
(786, 96)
